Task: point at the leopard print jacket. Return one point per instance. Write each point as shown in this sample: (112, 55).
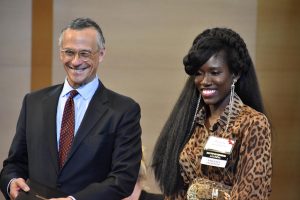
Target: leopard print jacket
(249, 167)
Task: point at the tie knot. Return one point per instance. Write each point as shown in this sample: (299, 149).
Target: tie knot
(73, 93)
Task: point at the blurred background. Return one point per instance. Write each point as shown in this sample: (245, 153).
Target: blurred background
(146, 41)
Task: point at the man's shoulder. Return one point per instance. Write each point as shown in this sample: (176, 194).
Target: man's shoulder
(118, 99)
(118, 96)
(40, 93)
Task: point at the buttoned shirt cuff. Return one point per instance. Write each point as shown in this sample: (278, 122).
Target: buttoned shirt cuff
(8, 186)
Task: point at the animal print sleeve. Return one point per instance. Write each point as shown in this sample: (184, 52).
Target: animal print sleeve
(253, 180)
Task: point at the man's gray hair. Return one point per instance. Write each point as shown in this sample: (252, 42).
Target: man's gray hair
(82, 23)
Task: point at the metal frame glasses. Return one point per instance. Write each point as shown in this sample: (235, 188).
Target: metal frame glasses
(84, 55)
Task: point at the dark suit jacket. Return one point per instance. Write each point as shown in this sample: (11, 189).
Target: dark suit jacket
(105, 156)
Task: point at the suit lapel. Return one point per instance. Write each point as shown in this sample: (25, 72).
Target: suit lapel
(49, 115)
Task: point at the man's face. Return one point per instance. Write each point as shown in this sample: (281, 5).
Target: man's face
(80, 55)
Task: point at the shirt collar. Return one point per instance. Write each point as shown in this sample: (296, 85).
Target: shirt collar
(236, 109)
(86, 91)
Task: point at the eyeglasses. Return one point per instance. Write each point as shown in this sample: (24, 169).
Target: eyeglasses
(84, 55)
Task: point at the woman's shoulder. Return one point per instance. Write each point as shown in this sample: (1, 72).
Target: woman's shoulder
(245, 113)
(256, 123)
(253, 114)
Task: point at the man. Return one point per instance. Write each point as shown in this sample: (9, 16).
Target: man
(100, 159)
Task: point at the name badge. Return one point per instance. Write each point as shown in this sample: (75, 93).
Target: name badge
(217, 151)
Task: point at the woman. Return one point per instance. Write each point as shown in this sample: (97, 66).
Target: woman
(222, 99)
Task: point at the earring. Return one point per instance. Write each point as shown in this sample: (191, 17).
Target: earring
(230, 102)
(232, 89)
(234, 81)
(197, 107)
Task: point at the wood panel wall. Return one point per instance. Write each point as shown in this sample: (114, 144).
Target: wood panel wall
(145, 43)
(41, 52)
(278, 60)
(164, 30)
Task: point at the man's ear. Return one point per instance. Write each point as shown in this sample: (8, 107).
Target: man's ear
(101, 54)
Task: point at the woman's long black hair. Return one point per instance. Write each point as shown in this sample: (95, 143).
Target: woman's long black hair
(177, 129)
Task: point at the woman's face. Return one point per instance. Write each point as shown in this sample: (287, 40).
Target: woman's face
(213, 80)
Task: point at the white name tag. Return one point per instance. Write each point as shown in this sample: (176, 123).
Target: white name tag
(217, 151)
